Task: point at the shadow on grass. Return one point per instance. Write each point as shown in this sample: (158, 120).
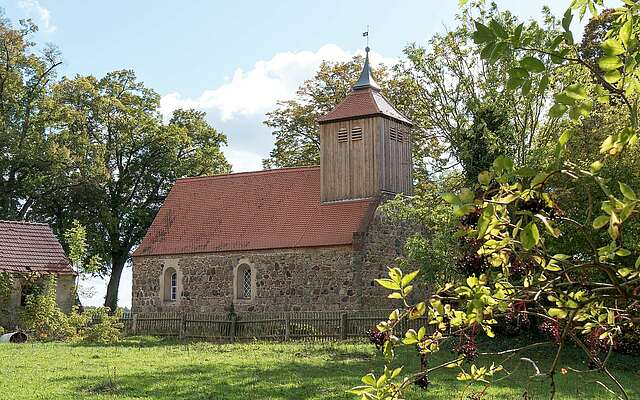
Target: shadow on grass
(323, 372)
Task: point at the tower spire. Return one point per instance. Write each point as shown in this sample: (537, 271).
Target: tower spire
(366, 81)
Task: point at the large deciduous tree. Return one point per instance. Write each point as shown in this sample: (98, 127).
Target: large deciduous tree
(30, 157)
(125, 162)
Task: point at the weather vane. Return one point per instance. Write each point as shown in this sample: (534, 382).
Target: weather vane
(366, 34)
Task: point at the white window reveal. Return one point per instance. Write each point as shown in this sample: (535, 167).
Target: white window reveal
(343, 135)
(356, 133)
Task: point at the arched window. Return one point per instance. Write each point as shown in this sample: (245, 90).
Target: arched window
(170, 285)
(244, 285)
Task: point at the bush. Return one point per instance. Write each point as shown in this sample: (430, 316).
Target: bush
(102, 327)
(42, 317)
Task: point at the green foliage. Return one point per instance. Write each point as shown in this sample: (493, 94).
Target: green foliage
(41, 316)
(101, 326)
(588, 295)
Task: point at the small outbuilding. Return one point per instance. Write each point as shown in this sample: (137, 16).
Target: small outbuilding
(29, 252)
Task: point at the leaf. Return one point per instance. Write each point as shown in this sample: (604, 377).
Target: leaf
(388, 284)
(503, 163)
(409, 277)
(498, 29)
(637, 264)
(612, 76)
(483, 34)
(484, 178)
(566, 19)
(466, 195)
(609, 63)
(612, 47)
(369, 379)
(564, 138)
(530, 236)
(576, 91)
(451, 198)
(557, 313)
(600, 221)
(626, 30)
(596, 166)
(623, 252)
(557, 110)
(627, 191)
(519, 73)
(395, 295)
(532, 64)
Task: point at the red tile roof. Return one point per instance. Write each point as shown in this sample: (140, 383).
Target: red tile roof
(363, 102)
(272, 209)
(31, 247)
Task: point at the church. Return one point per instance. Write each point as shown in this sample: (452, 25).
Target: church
(291, 239)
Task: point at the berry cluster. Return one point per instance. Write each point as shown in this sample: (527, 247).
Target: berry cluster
(533, 205)
(471, 263)
(469, 350)
(423, 382)
(377, 338)
(519, 268)
(550, 328)
(513, 323)
(470, 220)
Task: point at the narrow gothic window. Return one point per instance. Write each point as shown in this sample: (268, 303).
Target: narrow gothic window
(170, 289)
(246, 283)
(174, 286)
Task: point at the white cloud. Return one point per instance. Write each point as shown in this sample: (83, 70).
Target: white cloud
(259, 89)
(243, 161)
(42, 15)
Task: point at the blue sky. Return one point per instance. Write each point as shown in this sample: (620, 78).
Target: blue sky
(233, 59)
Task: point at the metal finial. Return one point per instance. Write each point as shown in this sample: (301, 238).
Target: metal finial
(366, 80)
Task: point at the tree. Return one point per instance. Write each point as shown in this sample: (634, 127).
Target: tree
(294, 121)
(588, 298)
(30, 155)
(124, 162)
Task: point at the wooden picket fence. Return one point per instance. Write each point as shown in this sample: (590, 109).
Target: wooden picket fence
(284, 326)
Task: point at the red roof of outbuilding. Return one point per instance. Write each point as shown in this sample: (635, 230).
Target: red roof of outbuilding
(271, 209)
(361, 103)
(31, 247)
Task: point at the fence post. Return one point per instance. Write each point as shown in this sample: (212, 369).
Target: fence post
(134, 324)
(343, 326)
(234, 325)
(183, 325)
(287, 323)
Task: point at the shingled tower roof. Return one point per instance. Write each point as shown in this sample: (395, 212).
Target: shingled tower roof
(364, 100)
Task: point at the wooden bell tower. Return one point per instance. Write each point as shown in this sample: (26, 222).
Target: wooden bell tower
(365, 145)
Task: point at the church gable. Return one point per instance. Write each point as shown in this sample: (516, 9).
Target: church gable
(273, 209)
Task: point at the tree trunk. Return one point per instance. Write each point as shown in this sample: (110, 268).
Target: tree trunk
(111, 299)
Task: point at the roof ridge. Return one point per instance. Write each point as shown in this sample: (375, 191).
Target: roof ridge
(6, 221)
(248, 173)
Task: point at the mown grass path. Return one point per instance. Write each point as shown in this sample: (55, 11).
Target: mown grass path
(149, 368)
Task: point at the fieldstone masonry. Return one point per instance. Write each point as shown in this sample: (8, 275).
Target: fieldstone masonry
(302, 279)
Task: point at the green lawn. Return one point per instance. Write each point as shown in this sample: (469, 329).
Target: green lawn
(148, 368)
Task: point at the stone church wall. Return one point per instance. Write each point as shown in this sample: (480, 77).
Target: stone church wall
(310, 279)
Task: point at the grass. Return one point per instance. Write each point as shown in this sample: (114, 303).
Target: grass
(150, 368)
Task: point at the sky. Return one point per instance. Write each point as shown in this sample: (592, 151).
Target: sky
(232, 59)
